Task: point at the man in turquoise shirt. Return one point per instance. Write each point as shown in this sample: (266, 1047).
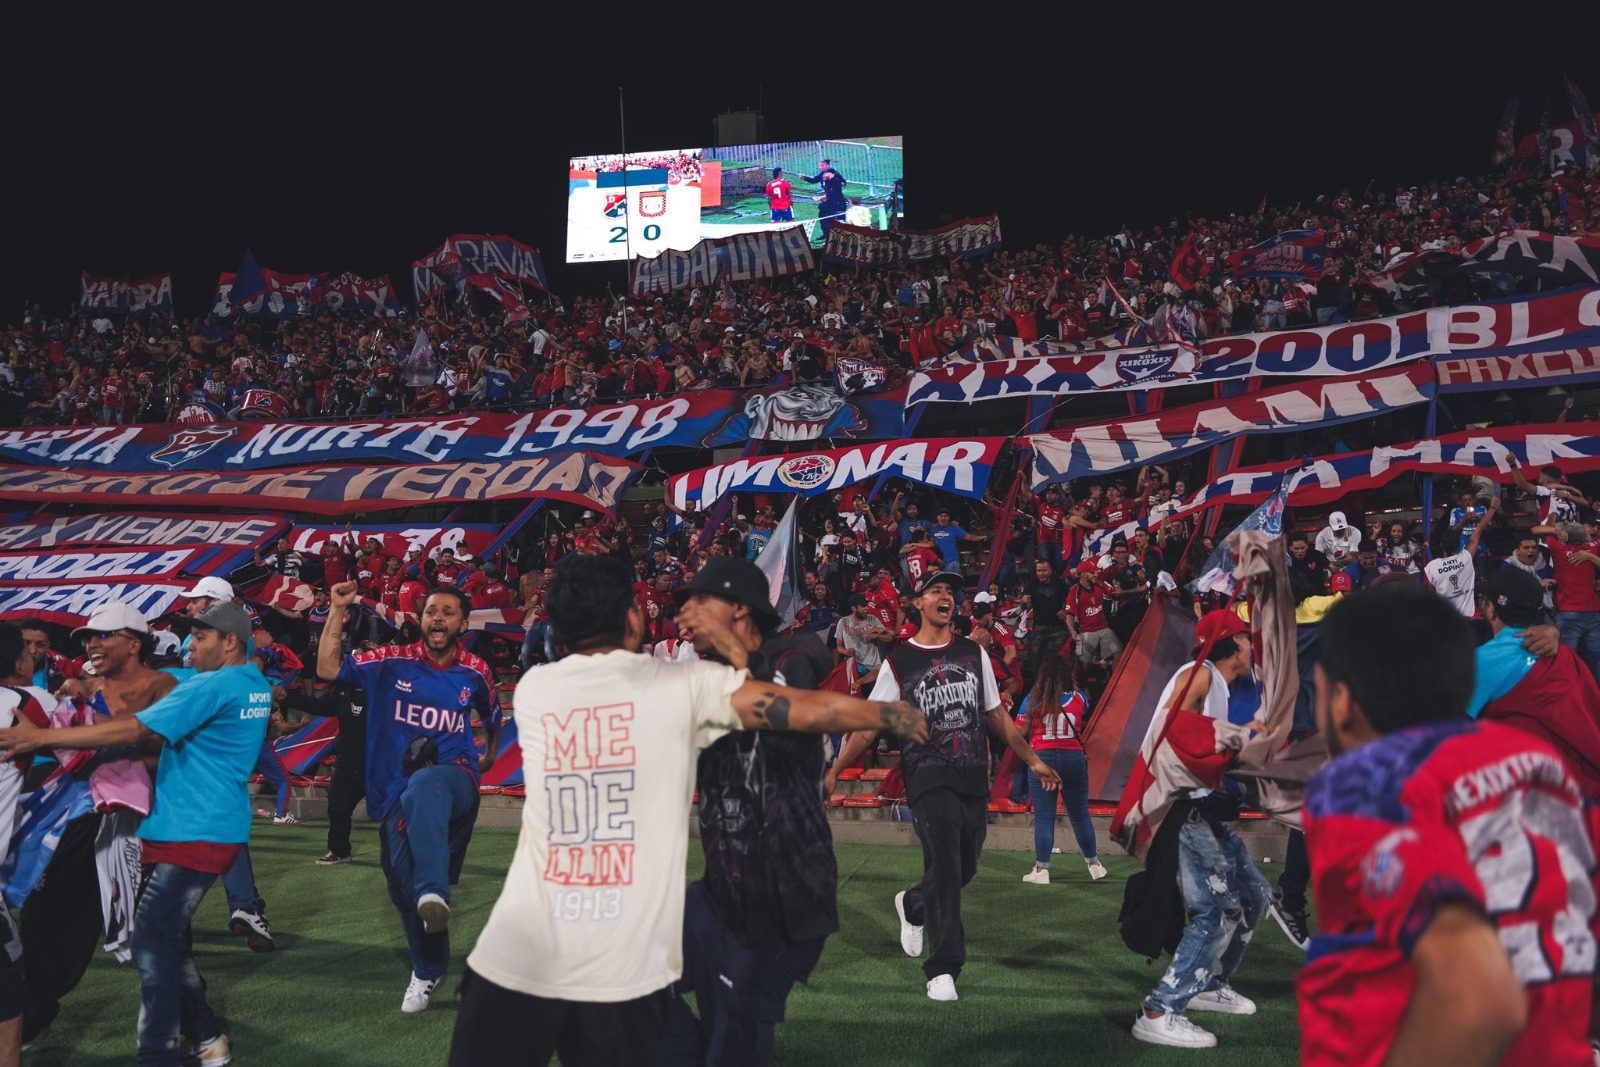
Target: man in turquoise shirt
(209, 731)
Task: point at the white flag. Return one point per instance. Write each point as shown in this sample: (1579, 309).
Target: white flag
(777, 562)
(420, 368)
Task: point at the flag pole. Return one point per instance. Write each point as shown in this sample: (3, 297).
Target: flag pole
(627, 228)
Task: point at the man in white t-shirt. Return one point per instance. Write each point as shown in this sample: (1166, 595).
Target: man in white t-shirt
(587, 935)
(1452, 574)
(1338, 541)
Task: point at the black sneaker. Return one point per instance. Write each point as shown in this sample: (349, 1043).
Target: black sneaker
(328, 859)
(253, 925)
(1292, 921)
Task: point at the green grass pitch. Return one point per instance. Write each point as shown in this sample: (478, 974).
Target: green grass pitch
(1047, 979)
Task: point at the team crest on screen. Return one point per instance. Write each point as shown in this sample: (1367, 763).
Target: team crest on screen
(805, 472)
(185, 446)
(616, 205)
(652, 205)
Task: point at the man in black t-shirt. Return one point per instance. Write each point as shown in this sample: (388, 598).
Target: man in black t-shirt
(947, 778)
(756, 923)
(1048, 595)
(832, 204)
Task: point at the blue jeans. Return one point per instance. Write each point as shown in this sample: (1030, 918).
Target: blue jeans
(1073, 766)
(416, 855)
(1225, 896)
(1580, 631)
(541, 636)
(172, 995)
(270, 767)
(239, 882)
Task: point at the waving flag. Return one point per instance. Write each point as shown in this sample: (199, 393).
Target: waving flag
(421, 369)
(248, 282)
(1585, 117)
(1291, 254)
(779, 561)
(1505, 134)
(308, 746)
(1187, 264)
(1216, 575)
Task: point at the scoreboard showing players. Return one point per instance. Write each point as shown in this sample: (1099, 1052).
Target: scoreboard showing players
(648, 202)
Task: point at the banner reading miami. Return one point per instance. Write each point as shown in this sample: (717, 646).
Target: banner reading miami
(576, 477)
(1545, 322)
(699, 419)
(1120, 444)
(1327, 478)
(741, 258)
(956, 465)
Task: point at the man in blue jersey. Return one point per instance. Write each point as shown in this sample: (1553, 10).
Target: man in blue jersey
(209, 730)
(422, 763)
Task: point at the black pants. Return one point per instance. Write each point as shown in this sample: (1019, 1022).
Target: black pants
(495, 1025)
(952, 828)
(344, 793)
(60, 926)
(739, 991)
(1296, 874)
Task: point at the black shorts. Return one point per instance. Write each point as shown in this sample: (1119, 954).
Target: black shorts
(495, 1025)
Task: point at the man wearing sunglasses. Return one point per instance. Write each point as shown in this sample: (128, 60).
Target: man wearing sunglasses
(61, 910)
(208, 732)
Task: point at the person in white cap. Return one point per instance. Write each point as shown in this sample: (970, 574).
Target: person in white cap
(1338, 541)
(63, 912)
(200, 820)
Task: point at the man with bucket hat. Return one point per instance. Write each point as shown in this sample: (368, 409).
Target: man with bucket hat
(209, 730)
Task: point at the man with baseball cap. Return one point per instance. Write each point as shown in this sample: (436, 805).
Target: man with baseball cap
(1338, 541)
(209, 730)
(947, 777)
(62, 910)
(1223, 893)
(756, 923)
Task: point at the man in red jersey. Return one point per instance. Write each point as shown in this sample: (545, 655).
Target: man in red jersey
(1452, 862)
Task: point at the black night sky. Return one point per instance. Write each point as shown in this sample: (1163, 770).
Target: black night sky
(134, 152)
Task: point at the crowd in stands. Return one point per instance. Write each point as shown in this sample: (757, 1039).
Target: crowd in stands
(87, 369)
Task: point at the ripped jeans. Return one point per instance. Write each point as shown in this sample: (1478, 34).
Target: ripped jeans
(1225, 896)
(172, 995)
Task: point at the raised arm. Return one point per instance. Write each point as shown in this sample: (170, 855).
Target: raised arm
(330, 647)
(765, 706)
(1477, 535)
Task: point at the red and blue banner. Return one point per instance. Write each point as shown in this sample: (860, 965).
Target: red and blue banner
(125, 296)
(1291, 254)
(73, 603)
(135, 530)
(1121, 444)
(398, 538)
(862, 246)
(465, 254)
(1327, 478)
(286, 296)
(700, 419)
(955, 465)
(1544, 322)
(308, 746)
(745, 257)
(583, 478)
(96, 565)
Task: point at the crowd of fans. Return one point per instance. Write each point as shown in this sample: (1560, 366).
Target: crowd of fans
(86, 369)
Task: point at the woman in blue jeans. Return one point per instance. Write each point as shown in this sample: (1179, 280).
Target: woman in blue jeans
(1052, 717)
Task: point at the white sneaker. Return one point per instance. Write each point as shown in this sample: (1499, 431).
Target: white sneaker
(286, 819)
(1224, 999)
(215, 1053)
(1097, 870)
(942, 987)
(1038, 876)
(434, 911)
(1173, 1030)
(910, 936)
(418, 993)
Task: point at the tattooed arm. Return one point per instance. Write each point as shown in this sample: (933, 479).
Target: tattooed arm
(764, 706)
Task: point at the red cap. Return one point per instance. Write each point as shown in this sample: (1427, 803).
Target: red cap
(906, 630)
(1340, 583)
(1217, 626)
(1088, 566)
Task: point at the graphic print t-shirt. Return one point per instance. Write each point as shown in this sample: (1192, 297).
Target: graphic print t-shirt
(954, 686)
(592, 908)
